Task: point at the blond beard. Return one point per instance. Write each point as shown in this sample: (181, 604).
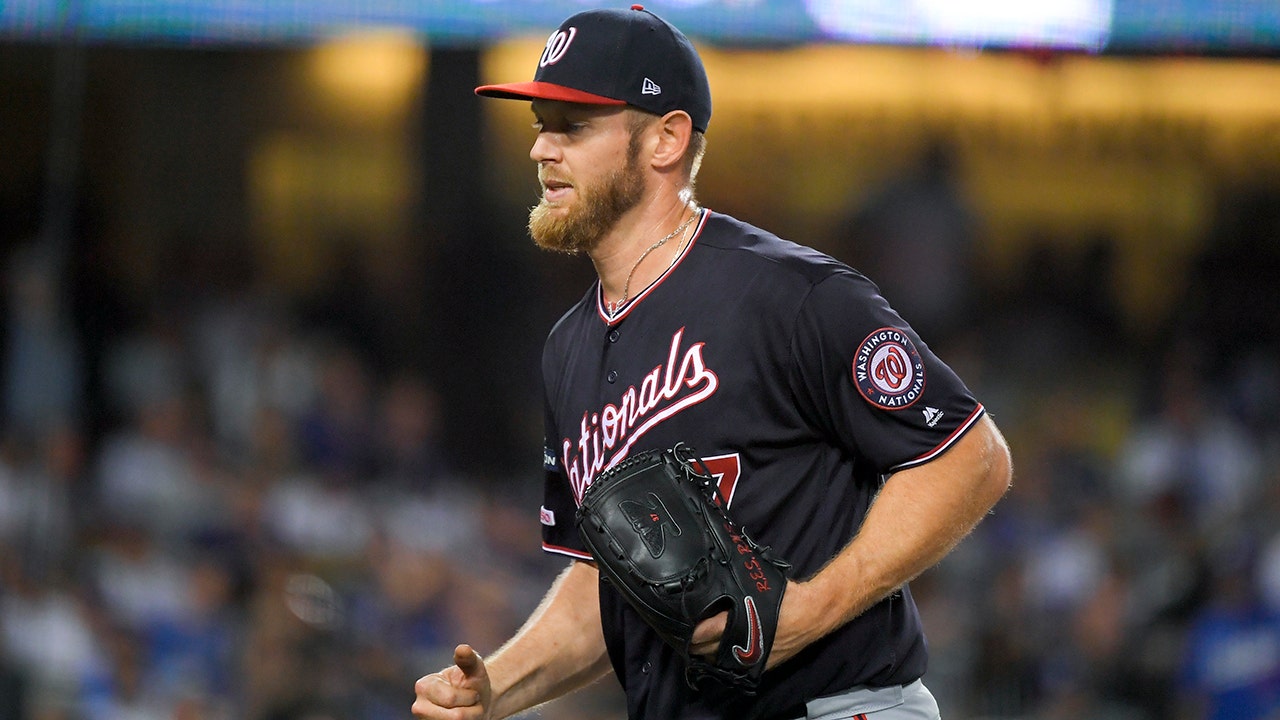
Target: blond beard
(595, 213)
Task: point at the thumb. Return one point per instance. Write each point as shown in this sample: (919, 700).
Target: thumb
(469, 662)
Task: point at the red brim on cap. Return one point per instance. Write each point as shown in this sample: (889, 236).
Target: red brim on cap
(544, 91)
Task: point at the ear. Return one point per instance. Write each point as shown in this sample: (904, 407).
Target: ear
(673, 131)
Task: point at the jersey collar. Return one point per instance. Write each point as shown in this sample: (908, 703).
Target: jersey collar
(622, 312)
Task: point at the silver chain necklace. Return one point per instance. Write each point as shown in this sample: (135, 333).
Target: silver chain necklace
(626, 288)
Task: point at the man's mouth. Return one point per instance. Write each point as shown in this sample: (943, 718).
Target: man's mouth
(555, 190)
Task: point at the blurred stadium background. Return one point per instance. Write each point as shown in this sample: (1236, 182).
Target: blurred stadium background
(270, 435)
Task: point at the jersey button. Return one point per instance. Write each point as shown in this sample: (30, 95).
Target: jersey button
(614, 335)
(646, 667)
(612, 376)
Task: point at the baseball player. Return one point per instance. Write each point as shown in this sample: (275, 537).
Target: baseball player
(835, 435)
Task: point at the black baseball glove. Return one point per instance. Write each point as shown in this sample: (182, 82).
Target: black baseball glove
(659, 533)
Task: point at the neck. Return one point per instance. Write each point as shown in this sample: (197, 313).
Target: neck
(641, 254)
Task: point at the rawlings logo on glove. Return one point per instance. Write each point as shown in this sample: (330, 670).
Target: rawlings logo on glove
(656, 527)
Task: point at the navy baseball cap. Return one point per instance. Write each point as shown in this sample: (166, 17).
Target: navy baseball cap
(618, 57)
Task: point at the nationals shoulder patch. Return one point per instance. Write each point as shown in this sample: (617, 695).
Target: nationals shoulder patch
(888, 370)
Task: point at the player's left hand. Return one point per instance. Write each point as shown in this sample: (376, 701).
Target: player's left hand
(793, 632)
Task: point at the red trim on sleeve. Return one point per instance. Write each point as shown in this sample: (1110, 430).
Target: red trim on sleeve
(942, 447)
(576, 554)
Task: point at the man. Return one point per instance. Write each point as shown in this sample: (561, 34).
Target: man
(837, 436)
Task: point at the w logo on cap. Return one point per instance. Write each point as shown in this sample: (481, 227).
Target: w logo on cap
(556, 47)
(650, 88)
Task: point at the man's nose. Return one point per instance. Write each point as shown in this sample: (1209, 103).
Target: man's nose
(544, 149)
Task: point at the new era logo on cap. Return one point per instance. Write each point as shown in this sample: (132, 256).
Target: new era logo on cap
(618, 57)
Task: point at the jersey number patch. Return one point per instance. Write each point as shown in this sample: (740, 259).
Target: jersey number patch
(726, 469)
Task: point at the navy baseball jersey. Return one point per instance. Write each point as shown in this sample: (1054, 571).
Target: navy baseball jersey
(801, 389)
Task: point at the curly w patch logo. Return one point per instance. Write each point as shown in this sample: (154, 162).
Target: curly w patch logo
(650, 520)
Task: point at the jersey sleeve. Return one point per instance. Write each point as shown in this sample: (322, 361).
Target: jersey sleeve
(559, 504)
(864, 377)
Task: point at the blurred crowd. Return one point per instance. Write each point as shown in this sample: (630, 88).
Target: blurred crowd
(266, 529)
(270, 527)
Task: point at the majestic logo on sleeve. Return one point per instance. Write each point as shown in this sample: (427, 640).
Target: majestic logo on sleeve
(888, 370)
(606, 436)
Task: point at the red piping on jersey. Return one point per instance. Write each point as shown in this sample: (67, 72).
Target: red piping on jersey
(942, 447)
(615, 319)
(577, 554)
